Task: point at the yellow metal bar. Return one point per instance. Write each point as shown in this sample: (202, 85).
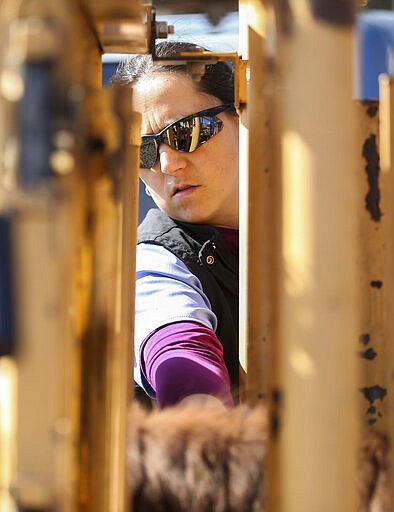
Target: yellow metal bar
(260, 209)
(73, 239)
(122, 396)
(45, 383)
(7, 429)
(318, 327)
(121, 26)
(111, 209)
(44, 430)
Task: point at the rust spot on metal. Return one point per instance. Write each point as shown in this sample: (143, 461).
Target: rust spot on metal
(337, 12)
(372, 411)
(376, 284)
(365, 339)
(276, 400)
(374, 393)
(372, 169)
(369, 354)
(372, 109)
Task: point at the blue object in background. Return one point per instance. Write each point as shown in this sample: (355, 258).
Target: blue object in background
(6, 302)
(108, 68)
(375, 44)
(35, 118)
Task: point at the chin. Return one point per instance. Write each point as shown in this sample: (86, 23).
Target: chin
(192, 218)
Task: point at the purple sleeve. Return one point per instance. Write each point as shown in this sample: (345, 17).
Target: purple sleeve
(182, 359)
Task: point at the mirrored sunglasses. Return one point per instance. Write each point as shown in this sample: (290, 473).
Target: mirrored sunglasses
(186, 134)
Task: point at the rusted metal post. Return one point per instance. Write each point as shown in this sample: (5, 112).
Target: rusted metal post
(372, 339)
(379, 387)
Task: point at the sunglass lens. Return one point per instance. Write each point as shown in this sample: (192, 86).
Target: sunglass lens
(188, 134)
(180, 135)
(148, 154)
(210, 126)
(185, 135)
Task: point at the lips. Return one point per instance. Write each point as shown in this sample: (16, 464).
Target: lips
(182, 189)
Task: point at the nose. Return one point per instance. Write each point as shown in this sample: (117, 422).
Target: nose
(171, 161)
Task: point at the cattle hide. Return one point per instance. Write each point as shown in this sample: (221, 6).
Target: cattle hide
(196, 459)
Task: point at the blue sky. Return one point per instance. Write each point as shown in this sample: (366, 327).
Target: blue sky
(197, 29)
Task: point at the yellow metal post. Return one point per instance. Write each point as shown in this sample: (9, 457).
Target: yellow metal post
(318, 326)
(260, 210)
(67, 383)
(301, 340)
(259, 206)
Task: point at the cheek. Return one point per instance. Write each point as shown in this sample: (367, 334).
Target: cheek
(144, 175)
(227, 145)
(149, 178)
(226, 159)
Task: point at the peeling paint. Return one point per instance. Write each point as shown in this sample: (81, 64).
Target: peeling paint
(372, 169)
(372, 110)
(369, 354)
(337, 12)
(376, 284)
(374, 393)
(365, 339)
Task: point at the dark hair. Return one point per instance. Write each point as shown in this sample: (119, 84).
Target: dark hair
(218, 79)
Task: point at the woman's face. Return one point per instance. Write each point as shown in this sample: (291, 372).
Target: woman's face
(199, 187)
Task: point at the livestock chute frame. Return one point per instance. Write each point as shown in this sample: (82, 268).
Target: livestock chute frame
(316, 253)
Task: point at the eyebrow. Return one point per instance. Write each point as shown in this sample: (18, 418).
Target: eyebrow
(205, 111)
(169, 123)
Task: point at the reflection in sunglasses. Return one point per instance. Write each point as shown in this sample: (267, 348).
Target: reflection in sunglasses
(186, 134)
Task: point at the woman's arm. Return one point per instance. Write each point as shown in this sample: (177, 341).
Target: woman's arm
(184, 359)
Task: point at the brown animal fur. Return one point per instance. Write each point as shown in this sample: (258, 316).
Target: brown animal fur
(194, 459)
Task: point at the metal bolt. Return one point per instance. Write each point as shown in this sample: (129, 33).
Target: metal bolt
(163, 29)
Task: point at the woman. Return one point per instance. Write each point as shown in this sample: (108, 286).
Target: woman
(186, 324)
